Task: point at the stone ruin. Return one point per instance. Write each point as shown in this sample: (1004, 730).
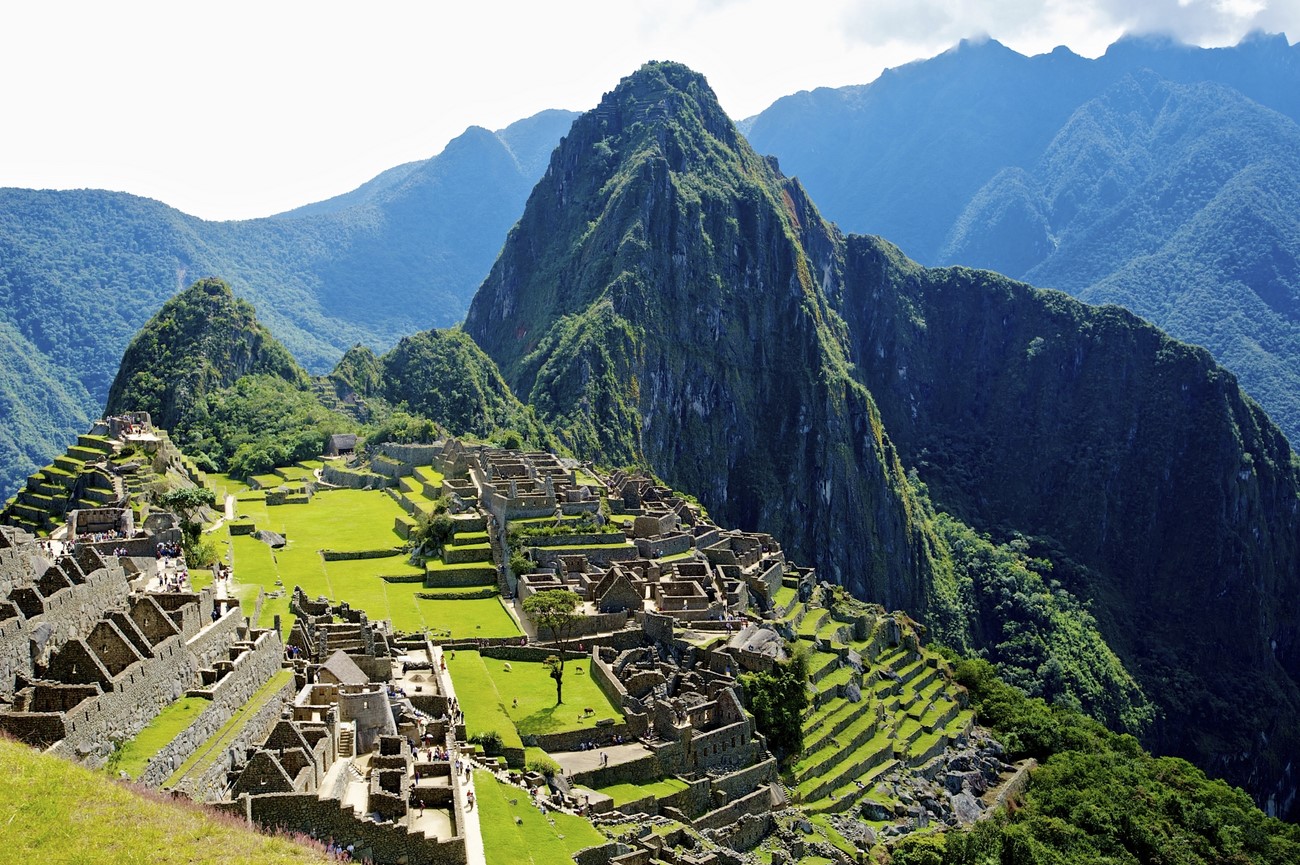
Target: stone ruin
(365, 753)
(86, 661)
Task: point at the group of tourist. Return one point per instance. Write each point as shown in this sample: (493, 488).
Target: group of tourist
(592, 745)
(100, 537)
(167, 551)
(339, 853)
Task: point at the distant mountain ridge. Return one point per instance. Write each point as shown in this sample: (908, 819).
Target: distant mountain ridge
(81, 271)
(1160, 176)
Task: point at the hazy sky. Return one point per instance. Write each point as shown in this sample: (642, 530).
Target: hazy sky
(238, 109)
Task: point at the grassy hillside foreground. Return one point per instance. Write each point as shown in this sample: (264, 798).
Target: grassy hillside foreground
(53, 811)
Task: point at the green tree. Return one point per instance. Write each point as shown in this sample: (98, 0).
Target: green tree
(185, 503)
(434, 531)
(777, 699)
(555, 610)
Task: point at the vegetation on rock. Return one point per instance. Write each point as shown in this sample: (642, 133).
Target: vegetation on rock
(668, 297)
(1097, 796)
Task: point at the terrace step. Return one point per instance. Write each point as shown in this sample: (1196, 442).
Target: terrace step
(836, 747)
(868, 756)
(851, 794)
(823, 664)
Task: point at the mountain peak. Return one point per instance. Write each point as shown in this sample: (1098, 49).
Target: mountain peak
(662, 91)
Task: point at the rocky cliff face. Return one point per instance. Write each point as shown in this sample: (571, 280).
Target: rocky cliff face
(670, 297)
(1135, 454)
(661, 301)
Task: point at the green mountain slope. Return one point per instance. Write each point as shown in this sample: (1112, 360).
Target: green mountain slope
(668, 296)
(202, 340)
(229, 393)
(655, 303)
(1158, 176)
(1178, 202)
(81, 271)
(1167, 497)
(444, 376)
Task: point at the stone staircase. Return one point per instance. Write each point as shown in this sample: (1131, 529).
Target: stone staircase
(347, 744)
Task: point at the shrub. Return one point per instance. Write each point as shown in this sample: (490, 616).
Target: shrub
(544, 765)
(489, 741)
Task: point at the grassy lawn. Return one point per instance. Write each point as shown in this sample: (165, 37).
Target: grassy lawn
(215, 747)
(549, 840)
(677, 557)
(479, 699)
(531, 684)
(301, 472)
(624, 793)
(351, 520)
(587, 479)
(429, 474)
(137, 752)
(474, 618)
(59, 812)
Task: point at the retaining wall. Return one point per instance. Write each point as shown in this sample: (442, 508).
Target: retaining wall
(251, 671)
(386, 845)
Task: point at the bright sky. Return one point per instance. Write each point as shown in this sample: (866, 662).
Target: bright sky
(237, 109)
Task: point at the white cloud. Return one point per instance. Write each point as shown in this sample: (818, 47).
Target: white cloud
(247, 108)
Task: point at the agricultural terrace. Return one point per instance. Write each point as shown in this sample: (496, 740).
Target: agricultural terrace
(134, 755)
(386, 587)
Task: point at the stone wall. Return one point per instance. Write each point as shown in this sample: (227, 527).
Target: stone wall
(68, 613)
(339, 477)
(138, 695)
(411, 454)
(348, 555)
(692, 801)
(746, 780)
(757, 803)
(727, 745)
(604, 677)
(389, 468)
(509, 652)
(251, 671)
(464, 556)
(550, 556)
(209, 783)
(571, 740)
(211, 642)
(575, 540)
(642, 771)
(461, 577)
(386, 845)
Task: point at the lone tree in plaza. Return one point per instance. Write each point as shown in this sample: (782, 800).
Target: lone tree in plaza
(555, 610)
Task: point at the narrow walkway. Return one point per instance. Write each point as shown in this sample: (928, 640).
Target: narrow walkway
(230, 506)
(474, 854)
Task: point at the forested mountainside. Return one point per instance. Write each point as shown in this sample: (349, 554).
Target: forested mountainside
(669, 296)
(1159, 176)
(80, 271)
(228, 391)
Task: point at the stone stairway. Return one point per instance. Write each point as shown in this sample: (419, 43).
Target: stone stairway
(347, 744)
